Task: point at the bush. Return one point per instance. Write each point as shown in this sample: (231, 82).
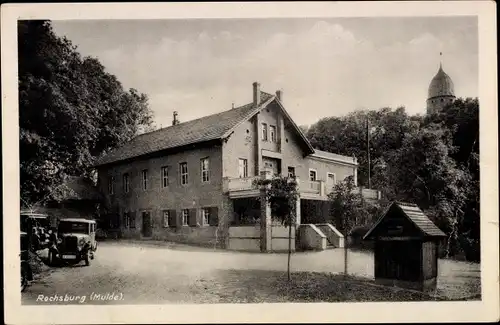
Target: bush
(471, 248)
(356, 241)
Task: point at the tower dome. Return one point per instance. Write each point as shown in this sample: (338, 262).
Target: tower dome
(441, 85)
(441, 91)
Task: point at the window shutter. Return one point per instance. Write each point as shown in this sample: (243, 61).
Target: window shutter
(192, 218)
(199, 218)
(131, 215)
(153, 218)
(214, 216)
(173, 221)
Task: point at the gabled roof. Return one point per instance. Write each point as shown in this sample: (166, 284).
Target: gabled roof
(413, 213)
(203, 129)
(213, 127)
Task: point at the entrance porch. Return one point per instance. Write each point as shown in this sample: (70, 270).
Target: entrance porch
(252, 227)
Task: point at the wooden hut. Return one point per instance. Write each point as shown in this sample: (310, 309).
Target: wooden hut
(406, 247)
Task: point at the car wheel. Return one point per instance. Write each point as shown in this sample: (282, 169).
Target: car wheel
(50, 258)
(24, 279)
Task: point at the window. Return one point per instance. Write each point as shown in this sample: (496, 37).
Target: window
(166, 217)
(204, 164)
(145, 179)
(330, 179)
(264, 132)
(111, 185)
(243, 168)
(185, 217)
(129, 220)
(164, 176)
(126, 183)
(312, 175)
(205, 215)
(291, 171)
(184, 173)
(132, 220)
(272, 131)
(126, 220)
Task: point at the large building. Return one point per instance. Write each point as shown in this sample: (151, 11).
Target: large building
(441, 91)
(191, 182)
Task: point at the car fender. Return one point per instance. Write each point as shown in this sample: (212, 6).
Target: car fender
(86, 246)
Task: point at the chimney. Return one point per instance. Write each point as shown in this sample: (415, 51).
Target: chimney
(256, 94)
(279, 95)
(175, 121)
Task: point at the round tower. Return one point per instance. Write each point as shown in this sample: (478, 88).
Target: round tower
(441, 91)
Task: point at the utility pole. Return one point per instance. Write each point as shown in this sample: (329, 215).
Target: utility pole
(368, 150)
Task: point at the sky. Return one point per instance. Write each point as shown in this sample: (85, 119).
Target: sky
(325, 67)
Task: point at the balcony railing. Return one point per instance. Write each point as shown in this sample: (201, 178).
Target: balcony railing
(310, 189)
(366, 193)
(313, 187)
(241, 184)
(369, 194)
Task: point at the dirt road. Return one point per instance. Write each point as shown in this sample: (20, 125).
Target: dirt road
(131, 273)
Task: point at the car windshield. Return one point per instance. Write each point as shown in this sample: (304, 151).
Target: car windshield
(73, 227)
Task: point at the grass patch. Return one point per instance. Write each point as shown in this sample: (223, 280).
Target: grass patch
(256, 286)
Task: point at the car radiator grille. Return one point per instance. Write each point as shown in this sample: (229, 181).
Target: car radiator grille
(70, 244)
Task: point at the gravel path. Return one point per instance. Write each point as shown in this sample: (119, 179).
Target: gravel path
(147, 274)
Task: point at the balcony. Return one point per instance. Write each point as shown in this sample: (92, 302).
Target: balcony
(312, 189)
(309, 190)
(369, 194)
(241, 187)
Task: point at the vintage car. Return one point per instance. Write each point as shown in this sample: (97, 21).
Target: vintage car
(30, 220)
(26, 272)
(76, 241)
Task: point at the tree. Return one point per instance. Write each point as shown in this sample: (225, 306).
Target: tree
(430, 160)
(461, 119)
(347, 136)
(422, 171)
(349, 210)
(71, 111)
(282, 195)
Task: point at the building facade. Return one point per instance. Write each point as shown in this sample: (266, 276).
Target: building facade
(192, 181)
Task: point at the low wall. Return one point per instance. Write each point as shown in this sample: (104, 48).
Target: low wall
(311, 238)
(279, 239)
(244, 238)
(335, 237)
(200, 236)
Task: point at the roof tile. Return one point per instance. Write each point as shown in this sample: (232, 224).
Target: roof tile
(418, 217)
(202, 129)
(415, 215)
